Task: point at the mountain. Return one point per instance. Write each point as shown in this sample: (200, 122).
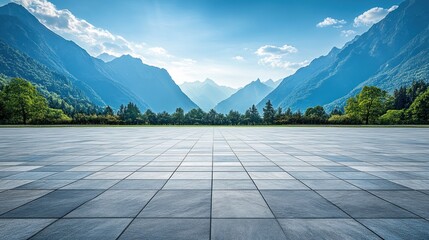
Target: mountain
(106, 57)
(154, 85)
(206, 94)
(392, 53)
(272, 83)
(23, 32)
(52, 85)
(240, 101)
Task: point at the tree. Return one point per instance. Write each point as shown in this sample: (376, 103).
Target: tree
(178, 117)
(195, 116)
(252, 116)
(371, 102)
(419, 109)
(400, 98)
(415, 90)
(130, 114)
(269, 113)
(233, 117)
(212, 117)
(163, 118)
(22, 103)
(108, 111)
(393, 117)
(336, 111)
(316, 114)
(278, 116)
(150, 117)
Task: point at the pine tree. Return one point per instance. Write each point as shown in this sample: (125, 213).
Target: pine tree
(269, 113)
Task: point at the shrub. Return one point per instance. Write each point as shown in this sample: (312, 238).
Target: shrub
(344, 119)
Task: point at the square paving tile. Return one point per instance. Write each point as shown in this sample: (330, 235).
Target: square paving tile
(266, 184)
(377, 184)
(240, 184)
(398, 228)
(189, 184)
(247, 229)
(94, 184)
(311, 175)
(361, 204)
(192, 175)
(239, 204)
(323, 184)
(46, 184)
(84, 229)
(11, 199)
(108, 175)
(301, 204)
(179, 203)
(150, 175)
(140, 184)
(174, 229)
(53, 205)
(329, 229)
(11, 229)
(114, 203)
(413, 201)
(270, 175)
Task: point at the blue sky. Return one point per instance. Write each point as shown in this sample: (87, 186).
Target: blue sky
(231, 42)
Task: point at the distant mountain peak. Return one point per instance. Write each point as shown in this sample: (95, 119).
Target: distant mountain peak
(250, 94)
(106, 57)
(210, 81)
(127, 58)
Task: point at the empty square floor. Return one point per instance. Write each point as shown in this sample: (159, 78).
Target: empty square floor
(214, 183)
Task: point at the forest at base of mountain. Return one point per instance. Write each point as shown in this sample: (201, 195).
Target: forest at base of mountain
(22, 103)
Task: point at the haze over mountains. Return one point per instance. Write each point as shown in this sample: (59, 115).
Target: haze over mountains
(206, 94)
(392, 53)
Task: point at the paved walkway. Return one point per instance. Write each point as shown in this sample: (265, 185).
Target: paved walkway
(214, 183)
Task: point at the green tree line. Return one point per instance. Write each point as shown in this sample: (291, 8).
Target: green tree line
(21, 103)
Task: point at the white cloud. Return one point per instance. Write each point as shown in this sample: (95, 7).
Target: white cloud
(238, 58)
(348, 33)
(269, 50)
(95, 40)
(337, 23)
(274, 56)
(372, 16)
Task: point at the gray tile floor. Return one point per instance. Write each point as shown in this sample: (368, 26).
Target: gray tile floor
(214, 183)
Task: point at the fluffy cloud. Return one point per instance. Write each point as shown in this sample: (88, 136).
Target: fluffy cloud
(238, 58)
(337, 23)
(269, 50)
(274, 56)
(348, 33)
(95, 40)
(373, 15)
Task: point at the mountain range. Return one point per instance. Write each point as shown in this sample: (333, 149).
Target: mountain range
(206, 94)
(112, 83)
(240, 101)
(392, 53)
